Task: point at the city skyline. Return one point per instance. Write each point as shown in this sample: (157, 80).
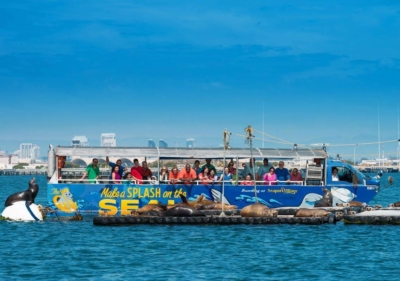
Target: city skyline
(324, 73)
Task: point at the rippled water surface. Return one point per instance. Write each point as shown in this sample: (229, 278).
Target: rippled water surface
(56, 250)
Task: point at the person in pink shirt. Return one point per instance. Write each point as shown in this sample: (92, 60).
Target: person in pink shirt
(116, 177)
(270, 177)
(296, 176)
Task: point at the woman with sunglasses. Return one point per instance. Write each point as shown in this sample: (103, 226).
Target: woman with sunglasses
(164, 174)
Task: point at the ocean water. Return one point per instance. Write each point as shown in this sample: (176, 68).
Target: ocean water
(59, 250)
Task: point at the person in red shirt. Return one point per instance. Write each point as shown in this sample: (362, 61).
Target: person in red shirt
(146, 172)
(174, 175)
(187, 175)
(136, 167)
(295, 175)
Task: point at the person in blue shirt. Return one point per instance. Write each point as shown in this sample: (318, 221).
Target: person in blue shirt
(118, 163)
(282, 174)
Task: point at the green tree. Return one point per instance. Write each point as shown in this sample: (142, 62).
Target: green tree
(20, 166)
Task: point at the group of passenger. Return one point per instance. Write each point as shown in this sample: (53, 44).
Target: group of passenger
(205, 174)
(269, 174)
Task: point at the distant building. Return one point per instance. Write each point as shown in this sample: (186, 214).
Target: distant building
(80, 141)
(108, 140)
(151, 143)
(162, 143)
(190, 143)
(29, 151)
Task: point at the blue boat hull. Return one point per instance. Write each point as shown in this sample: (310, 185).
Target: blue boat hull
(121, 199)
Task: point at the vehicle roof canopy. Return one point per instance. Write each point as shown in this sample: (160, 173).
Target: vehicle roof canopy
(187, 153)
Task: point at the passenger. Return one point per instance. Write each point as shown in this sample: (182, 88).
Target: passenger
(270, 177)
(263, 169)
(197, 167)
(118, 163)
(232, 169)
(128, 178)
(208, 165)
(248, 180)
(146, 172)
(282, 174)
(296, 176)
(213, 176)
(92, 171)
(136, 176)
(335, 176)
(136, 167)
(164, 174)
(204, 177)
(226, 177)
(61, 164)
(187, 175)
(248, 168)
(174, 175)
(115, 176)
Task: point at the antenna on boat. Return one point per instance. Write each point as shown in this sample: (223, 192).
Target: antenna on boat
(249, 141)
(226, 137)
(398, 133)
(379, 138)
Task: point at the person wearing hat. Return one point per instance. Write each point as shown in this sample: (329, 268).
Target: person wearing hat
(263, 169)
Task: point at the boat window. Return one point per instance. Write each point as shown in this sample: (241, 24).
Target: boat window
(346, 174)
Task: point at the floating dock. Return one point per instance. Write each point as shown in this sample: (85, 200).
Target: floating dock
(210, 220)
(375, 217)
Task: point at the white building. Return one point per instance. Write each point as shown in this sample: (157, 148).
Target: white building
(29, 151)
(108, 140)
(80, 141)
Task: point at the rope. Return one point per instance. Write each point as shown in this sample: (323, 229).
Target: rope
(30, 211)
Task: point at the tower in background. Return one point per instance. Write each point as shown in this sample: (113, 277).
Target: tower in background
(190, 143)
(162, 143)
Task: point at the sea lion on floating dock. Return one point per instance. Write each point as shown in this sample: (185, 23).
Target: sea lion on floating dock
(352, 204)
(258, 210)
(218, 206)
(28, 195)
(182, 211)
(395, 204)
(311, 213)
(326, 200)
(146, 210)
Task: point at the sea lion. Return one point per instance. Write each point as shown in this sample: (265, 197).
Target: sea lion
(28, 195)
(351, 204)
(311, 213)
(396, 204)
(218, 206)
(258, 210)
(185, 202)
(183, 211)
(149, 208)
(326, 200)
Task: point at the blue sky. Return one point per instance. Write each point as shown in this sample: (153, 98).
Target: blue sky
(317, 70)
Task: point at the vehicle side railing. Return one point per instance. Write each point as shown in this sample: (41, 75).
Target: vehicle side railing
(155, 182)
